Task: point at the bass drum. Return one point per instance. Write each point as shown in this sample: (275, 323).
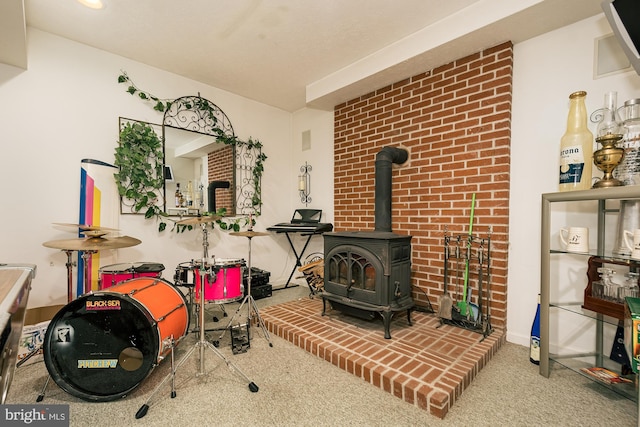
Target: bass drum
(101, 346)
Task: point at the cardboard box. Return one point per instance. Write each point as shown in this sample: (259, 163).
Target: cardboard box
(36, 322)
(632, 330)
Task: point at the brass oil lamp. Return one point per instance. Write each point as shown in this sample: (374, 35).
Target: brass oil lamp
(608, 134)
(607, 159)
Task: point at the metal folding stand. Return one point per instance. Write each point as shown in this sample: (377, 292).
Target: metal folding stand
(298, 256)
(200, 345)
(248, 299)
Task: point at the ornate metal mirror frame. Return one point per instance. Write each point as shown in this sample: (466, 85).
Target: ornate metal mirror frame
(197, 114)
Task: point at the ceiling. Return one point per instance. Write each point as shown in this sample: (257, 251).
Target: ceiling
(289, 53)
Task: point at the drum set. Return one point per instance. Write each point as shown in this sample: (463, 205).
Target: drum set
(103, 344)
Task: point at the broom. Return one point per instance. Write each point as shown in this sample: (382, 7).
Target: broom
(463, 305)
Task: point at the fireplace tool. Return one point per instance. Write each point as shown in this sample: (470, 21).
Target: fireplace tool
(488, 297)
(445, 304)
(476, 251)
(484, 320)
(457, 254)
(202, 342)
(248, 299)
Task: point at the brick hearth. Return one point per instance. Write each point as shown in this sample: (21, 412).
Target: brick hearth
(424, 365)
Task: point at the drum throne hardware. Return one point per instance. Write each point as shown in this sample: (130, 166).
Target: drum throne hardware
(202, 343)
(92, 243)
(248, 299)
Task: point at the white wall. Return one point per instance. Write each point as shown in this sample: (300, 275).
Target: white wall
(546, 70)
(64, 108)
(320, 156)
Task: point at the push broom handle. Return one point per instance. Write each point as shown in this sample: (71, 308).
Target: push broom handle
(466, 267)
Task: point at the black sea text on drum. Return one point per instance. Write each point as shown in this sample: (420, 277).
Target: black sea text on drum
(92, 305)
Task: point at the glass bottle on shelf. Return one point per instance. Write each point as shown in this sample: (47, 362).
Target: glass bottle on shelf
(630, 287)
(628, 171)
(178, 195)
(609, 287)
(534, 343)
(576, 147)
(198, 196)
(189, 196)
(612, 287)
(597, 287)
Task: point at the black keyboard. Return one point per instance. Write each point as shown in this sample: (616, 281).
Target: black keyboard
(301, 227)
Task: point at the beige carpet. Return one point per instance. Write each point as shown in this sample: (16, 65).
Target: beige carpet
(299, 389)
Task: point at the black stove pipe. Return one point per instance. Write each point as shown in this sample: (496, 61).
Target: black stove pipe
(384, 160)
(211, 192)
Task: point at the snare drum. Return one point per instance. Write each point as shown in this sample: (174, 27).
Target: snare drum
(100, 346)
(222, 281)
(113, 274)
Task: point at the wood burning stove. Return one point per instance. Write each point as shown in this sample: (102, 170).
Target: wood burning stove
(369, 272)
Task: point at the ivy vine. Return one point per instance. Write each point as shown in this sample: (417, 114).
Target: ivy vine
(139, 157)
(146, 200)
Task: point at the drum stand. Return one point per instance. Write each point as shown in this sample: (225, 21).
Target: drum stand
(200, 345)
(249, 300)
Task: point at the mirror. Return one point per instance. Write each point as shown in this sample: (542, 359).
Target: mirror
(199, 158)
(198, 173)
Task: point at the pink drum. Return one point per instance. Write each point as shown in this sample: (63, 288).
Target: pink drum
(113, 274)
(222, 281)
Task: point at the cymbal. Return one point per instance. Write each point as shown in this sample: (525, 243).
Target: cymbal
(92, 243)
(84, 227)
(199, 220)
(95, 233)
(249, 233)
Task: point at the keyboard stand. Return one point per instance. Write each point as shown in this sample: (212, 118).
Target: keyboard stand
(298, 256)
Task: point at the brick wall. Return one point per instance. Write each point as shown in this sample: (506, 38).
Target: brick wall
(219, 168)
(455, 123)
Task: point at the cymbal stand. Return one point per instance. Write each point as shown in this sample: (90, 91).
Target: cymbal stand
(69, 265)
(205, 256)
(251, 306)
(200, 345)
(87, 273)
